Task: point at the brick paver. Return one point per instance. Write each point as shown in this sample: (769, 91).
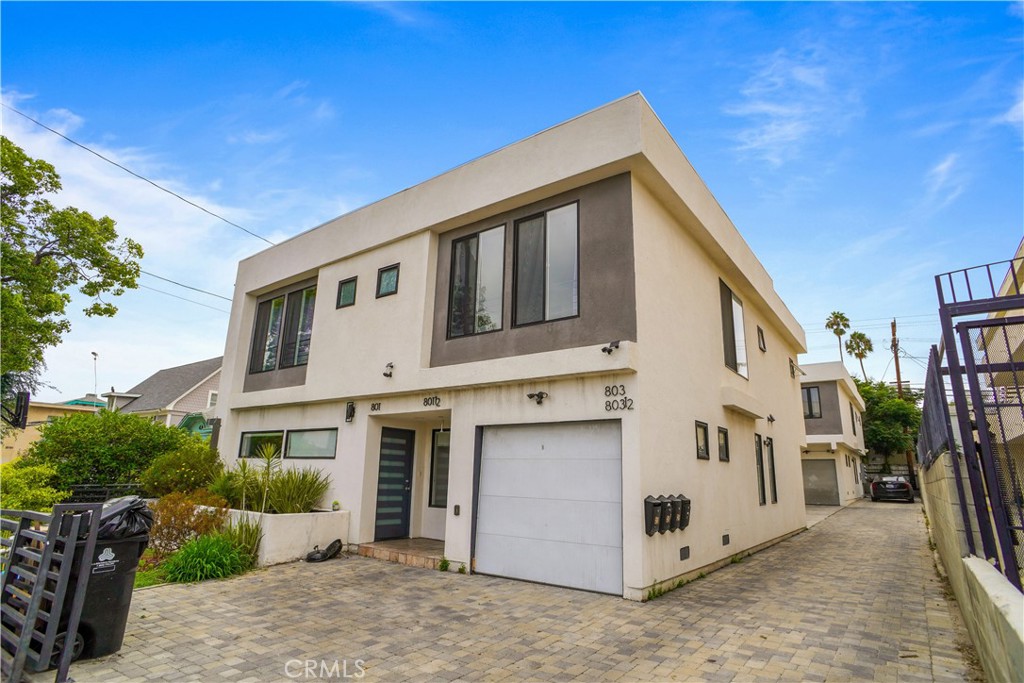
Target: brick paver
(854, 598)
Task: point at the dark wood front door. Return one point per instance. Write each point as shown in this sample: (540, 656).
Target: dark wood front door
(394, 484)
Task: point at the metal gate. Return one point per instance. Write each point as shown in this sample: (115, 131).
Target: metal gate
(982, 314)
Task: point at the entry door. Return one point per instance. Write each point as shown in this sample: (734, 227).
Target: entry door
(394, 484)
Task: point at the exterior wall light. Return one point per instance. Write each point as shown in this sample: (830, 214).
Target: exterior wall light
(538, 397)
(350, 411)
(389, 369)
(611, 347)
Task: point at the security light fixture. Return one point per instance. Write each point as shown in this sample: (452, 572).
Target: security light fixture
(350, 411)
(389, 369)
(771, 418)
(611, 347)
(538, 397)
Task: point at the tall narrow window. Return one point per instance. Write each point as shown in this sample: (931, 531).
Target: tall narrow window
(812, 402)
(853, 420)
(478, 269)
(769, 451)
(267, 335)
(702, 441)
(547, 266)
(759, 459)
(733, 336)
(439, 470)
(723, 444)
(298, 328)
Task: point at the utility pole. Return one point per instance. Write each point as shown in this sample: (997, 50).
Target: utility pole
(899, 392)
(896, 359)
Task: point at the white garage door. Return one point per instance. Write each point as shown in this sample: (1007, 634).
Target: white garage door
(550, 504)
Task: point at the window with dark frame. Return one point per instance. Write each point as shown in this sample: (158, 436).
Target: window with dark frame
(769, 451)
(319, 444)
(347, 293)
(759, 459)
(283, 331)
(723, 444)
(703, 452)
(253, 441)
(853, 419)
(546, 271)
(387, 280)
(812, 402)
(733, 335)
(760, 339)
(476, 284)
(439, 469)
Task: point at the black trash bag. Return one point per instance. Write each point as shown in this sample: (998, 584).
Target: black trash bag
(125, 517)
(327, 553)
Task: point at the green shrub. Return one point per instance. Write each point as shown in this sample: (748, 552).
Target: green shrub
(297, 490)
(181, 517)
(192, 466)
(246, 536)
(29, 487)
(103, 448)
(206, 557)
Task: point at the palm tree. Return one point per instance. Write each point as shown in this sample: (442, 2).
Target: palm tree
(859, 346)
(839, 324)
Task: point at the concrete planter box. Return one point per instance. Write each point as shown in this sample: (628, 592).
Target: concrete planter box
(290, 537)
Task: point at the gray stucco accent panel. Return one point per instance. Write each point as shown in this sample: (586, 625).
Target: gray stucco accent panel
(831, 420)
(283, 377)
(607, 296)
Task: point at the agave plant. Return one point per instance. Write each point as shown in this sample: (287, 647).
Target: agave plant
(297, 490)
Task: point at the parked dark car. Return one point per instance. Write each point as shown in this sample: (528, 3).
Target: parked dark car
(892, 488)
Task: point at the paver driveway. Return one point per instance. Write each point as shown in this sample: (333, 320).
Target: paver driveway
(853, 598)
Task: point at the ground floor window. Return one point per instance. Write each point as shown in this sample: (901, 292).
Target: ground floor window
(311, 443)
(439, 469)
(769, 451)
(252, 442)
(759, 459)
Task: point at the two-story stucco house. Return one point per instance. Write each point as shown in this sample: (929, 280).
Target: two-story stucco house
(512, 356)
(832, 466)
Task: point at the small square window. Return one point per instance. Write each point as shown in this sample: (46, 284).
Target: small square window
(347, 292)
(253, 441)
(760, 339)
(702, 442)
(723, 444)
(387, 281)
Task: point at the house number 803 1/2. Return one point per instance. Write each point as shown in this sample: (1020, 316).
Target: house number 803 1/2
(623, 403)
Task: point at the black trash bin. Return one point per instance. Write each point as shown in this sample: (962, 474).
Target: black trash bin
(123, 536)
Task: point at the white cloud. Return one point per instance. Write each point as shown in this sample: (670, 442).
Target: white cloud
(944, 182)
(792, 97)
(1014, 116)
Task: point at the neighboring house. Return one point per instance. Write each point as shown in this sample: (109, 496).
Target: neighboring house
(510, 357)
(831, 461)
(169, 395)
(15, 442)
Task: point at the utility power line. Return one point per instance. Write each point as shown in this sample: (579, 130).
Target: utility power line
(197, 303)
(137, 175)
(174, 282)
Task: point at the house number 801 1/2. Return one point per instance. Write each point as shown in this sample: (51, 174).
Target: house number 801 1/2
(432, 401)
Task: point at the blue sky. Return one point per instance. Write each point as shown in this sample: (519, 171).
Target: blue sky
(861, 149)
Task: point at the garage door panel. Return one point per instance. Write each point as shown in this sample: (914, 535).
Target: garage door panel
(576, 479)
(549, 504)
(821, 487)
(552, 520)
(545, 562)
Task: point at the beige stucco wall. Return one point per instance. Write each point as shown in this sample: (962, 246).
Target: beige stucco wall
(992, 608)
(681, 377)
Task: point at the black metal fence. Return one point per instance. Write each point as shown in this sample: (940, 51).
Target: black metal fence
(974, 405)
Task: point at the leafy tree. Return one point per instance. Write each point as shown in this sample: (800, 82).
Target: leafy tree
(105, 448)
(890, 422)
(859, 346)
(46, 253)
(29, 487)
(838, 323)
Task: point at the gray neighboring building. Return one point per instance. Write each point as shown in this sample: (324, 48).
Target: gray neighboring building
(172, 393)
(831, 459)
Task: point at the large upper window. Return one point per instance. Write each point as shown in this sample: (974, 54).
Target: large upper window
(478, 269)
(734, 339)
(284, 326)
(547, 266)
(812, 402)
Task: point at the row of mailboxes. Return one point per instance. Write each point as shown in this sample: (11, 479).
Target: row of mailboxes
(666, 513)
